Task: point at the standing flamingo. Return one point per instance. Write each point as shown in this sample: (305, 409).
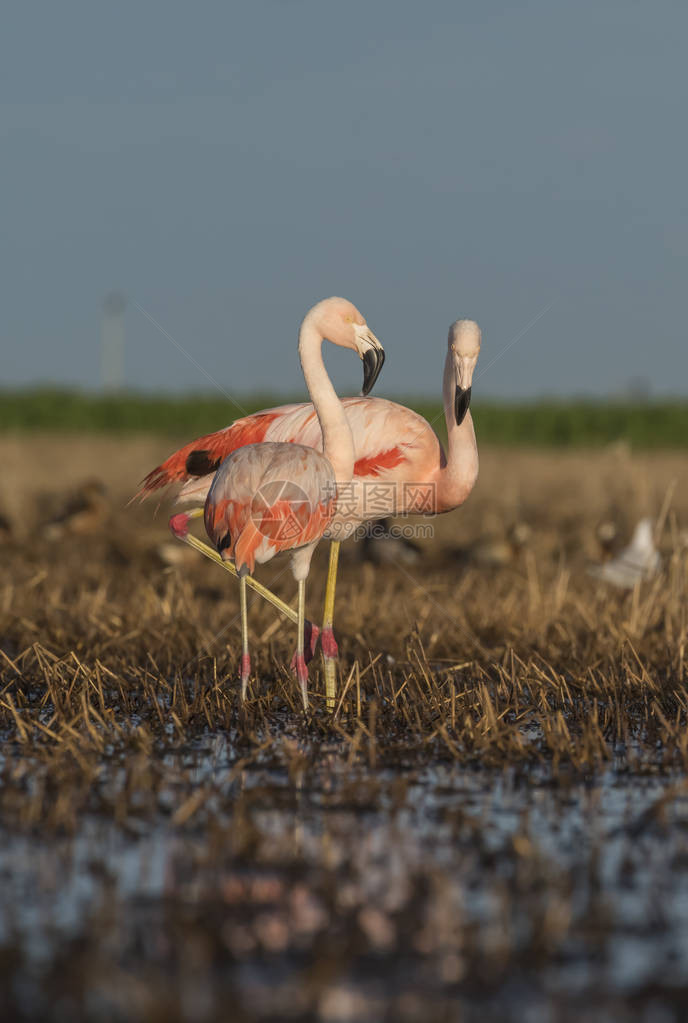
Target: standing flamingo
(275, 496)
(400, 468)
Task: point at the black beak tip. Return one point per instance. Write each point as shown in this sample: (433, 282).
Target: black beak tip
(462, 399)
(373, 361)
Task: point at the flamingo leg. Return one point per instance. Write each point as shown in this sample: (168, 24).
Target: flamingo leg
(301, 669)
(327, 641)
(245, 656)
(179, 526)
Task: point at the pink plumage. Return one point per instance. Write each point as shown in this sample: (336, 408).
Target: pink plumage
(268, 493)
(269, 498)
(399, 465)
(392, 445)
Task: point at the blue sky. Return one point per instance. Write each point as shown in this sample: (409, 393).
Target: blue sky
(227, 165)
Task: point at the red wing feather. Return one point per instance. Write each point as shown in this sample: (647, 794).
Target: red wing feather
(248, 542)
(290, 524)
(203, 455)
(374, 465)
(284, 524)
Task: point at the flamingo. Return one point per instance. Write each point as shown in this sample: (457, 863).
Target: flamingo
(400, 467)
(272, 497)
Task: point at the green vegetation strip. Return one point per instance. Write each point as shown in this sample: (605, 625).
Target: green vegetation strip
(550, 423)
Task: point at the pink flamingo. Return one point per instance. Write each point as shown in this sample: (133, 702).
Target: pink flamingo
(400, 468)
(272, 497)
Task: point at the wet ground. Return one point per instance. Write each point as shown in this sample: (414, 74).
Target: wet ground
(292, 889)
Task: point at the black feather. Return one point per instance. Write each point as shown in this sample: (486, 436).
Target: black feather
(201, 463)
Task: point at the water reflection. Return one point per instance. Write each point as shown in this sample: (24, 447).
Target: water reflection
(336, 893)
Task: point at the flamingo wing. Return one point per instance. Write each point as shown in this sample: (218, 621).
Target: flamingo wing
(385, 436)
(203, 456)
(269, 497)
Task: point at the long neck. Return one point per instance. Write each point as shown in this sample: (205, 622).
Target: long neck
(338, 443)
(457, 477)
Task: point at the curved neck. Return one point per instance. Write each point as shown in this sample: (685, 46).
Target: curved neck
(457, 477)
(338, 442)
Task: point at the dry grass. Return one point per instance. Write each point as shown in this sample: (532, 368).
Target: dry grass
(534, 660)
(117, 675)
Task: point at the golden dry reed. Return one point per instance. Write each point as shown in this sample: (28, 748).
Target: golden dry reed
(483, 650)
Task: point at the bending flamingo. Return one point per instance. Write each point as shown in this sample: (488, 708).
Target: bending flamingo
(272, 497)
(400, 468)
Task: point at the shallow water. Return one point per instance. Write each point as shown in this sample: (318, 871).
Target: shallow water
(340, 893)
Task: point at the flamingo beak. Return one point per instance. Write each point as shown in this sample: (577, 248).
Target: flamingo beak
(464, 366)
(373, 361)
(462, 400)
(373, 355)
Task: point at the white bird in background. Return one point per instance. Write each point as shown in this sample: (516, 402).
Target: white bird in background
(640, 560)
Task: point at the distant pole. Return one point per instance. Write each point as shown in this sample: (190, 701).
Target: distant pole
(112, 341)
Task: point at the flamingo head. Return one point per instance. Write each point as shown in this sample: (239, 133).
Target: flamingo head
(341, 323)
(464, 348)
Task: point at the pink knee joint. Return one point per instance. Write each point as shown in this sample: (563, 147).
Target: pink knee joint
(179, 524)
(301, 669)
(311, 633)
(329, 643)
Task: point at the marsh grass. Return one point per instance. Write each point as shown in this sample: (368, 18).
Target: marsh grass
(656, 424)
(119, 711)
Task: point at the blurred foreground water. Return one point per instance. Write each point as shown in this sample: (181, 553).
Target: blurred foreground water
(343, 893)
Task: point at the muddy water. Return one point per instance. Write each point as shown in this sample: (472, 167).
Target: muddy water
(339, 893)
